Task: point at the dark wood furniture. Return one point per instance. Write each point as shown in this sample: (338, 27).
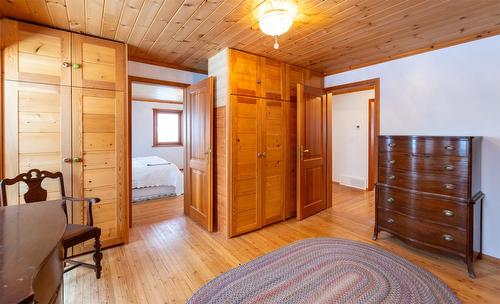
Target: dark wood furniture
(75, 234)
(429, 193)
(31, 268)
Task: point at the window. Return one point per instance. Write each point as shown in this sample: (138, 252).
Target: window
(167, 128)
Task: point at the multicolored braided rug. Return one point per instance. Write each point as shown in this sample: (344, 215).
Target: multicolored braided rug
(326, 270)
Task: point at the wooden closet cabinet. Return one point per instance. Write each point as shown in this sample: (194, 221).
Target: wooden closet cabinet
(35, 53)
(252, 75)
(64, 110)
(258, 179)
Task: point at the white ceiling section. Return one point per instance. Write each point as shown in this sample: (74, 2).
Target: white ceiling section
(150, 92)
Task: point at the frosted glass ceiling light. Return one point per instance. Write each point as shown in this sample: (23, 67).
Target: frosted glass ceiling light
(277, 18)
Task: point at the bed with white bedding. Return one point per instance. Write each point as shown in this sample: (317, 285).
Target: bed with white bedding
(154, 177)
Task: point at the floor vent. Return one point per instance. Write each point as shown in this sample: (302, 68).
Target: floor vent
(352, 181)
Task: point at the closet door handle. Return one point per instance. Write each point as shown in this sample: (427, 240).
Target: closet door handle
(77, 159)
(263, 154)
(67, 160)
(66, 64)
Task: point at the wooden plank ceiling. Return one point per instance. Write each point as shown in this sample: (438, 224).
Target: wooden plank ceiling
(328, 35)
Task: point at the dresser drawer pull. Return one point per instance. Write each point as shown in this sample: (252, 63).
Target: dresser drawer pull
(449, 186)
(392, 177)
(449, 148)
(390, 200)
(449, 167)
(392, 161)
(390, 221)
(448, 237)
(448, 212)
(392, 145)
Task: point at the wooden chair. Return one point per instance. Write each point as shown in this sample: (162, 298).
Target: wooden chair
(75, 233)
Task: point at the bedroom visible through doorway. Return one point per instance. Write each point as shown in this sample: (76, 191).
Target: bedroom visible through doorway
(157, 131)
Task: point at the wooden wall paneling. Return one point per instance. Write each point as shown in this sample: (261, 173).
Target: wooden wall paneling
(272, 77)
(220, 164)
(314, 79)
(36, 54)
(98, 140)
(294, 75)
(290, 159)
(272, 169)
(110, 17)
(244, 73)
(98, 63)
(38, 133)
(245, 204)
(147, 13)
(76, 18)
(127, 20)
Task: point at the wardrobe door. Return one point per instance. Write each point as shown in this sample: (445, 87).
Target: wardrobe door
(37, 134)
(36, 54)
(245, 206)
(245, 73)
(273, 165)
(99, 159)
(98, 63)
(272, 75)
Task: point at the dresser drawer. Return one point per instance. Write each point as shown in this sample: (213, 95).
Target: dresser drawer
(423, 206)
(431, 146)
(432, 183)
(446, 165)
(434, 234)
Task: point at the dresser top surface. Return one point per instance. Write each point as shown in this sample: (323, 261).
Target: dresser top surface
(431, 137)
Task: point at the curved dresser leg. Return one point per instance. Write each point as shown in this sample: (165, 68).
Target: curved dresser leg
(375, 233)
(470, 269)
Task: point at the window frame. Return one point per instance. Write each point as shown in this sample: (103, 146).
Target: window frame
(156, 143)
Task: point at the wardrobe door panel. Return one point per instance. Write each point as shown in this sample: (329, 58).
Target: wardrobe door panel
(37, 133)
(245, 211)
(273, 164)
(245, 73)
(290, 159)
(34, 53)
(98, 63)
(99, 161)
(294, 75)
(272, 75)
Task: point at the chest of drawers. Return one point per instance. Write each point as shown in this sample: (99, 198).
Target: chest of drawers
(429, 193)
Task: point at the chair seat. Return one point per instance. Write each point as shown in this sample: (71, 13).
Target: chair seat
(76, 234)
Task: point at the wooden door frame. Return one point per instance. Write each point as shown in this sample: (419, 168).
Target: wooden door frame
(373, 123)
(130, 80)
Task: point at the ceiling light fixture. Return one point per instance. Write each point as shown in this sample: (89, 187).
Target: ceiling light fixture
(277, 18)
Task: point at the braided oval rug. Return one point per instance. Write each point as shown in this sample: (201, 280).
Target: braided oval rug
(326, 270)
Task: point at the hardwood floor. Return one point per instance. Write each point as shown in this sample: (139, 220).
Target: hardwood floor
(169, 257)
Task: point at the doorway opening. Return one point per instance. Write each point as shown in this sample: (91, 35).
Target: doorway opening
(157, 128)
(354, 130)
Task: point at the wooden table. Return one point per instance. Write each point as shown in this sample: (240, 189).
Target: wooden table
(31, 266)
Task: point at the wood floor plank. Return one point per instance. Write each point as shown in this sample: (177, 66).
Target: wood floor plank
(169, 257)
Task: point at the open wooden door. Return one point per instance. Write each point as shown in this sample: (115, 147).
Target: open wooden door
(312, 173)
(198, 193)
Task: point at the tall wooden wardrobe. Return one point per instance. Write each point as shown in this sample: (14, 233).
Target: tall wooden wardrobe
(64, 110)
(255, 141)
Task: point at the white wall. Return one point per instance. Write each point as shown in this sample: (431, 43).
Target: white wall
(350, 136)
(142, 133)
(142, 113)
(451, 91)
(139, 69)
